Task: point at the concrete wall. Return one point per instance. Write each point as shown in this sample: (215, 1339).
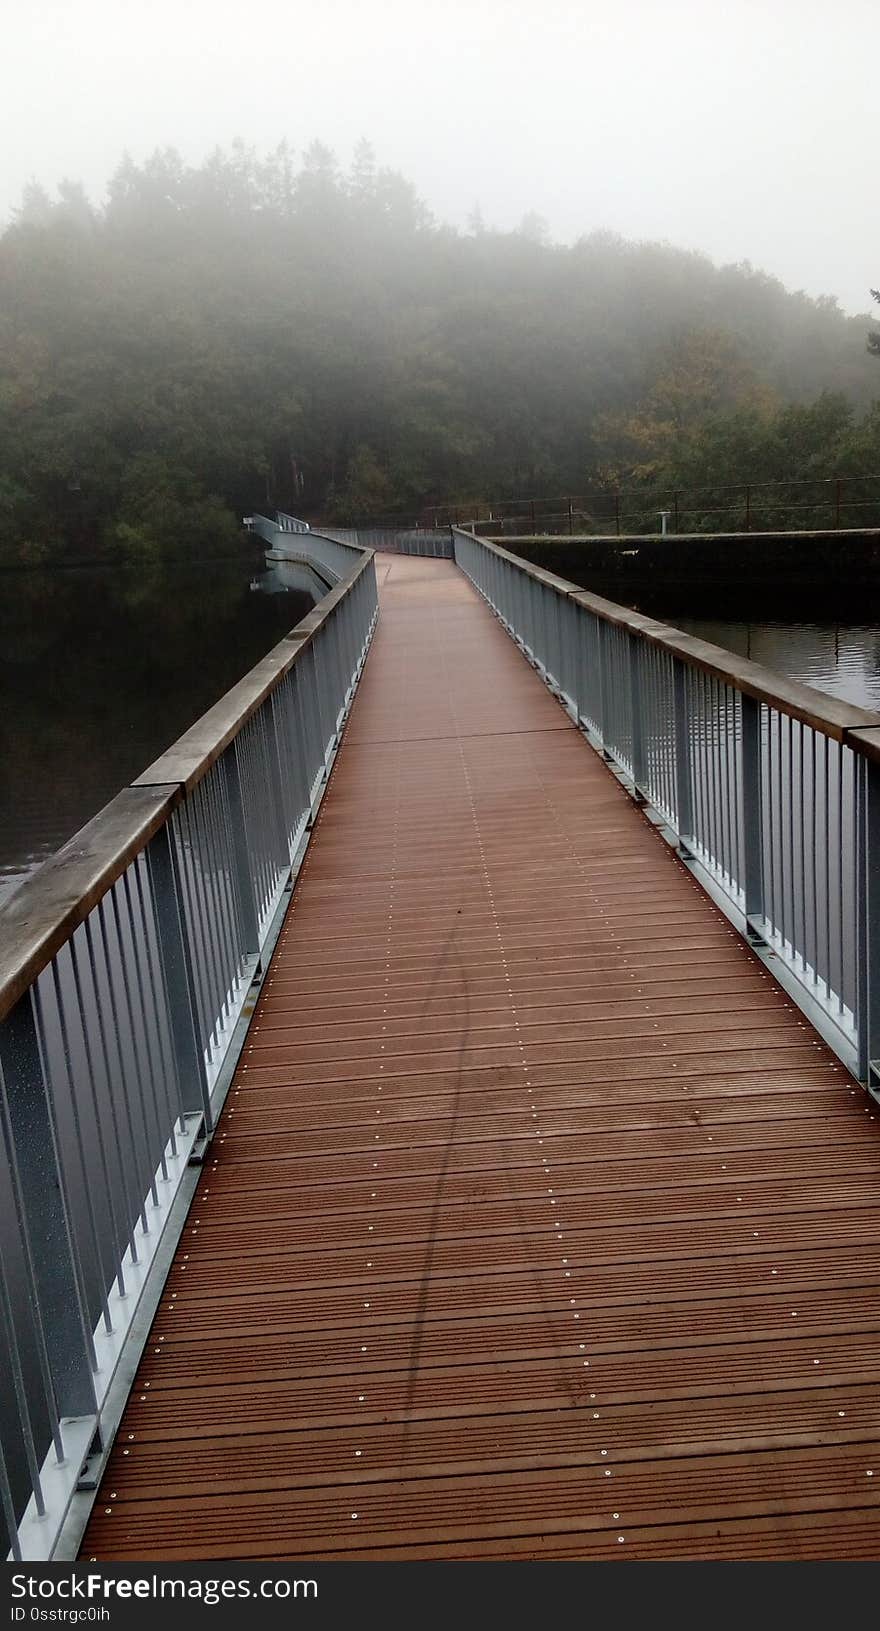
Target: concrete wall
(802, 559)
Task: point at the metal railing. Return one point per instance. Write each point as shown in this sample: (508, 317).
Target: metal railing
(332, 556)
(769, 789)
(801, 503)
(435, 542)
(127, 975)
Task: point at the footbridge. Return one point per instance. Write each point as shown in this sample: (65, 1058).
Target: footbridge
(439, 1102)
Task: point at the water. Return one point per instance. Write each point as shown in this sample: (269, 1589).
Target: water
(102, 668)
(840, 658)
(828, 640)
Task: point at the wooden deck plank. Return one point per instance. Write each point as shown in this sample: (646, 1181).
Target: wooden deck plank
(539, 1223)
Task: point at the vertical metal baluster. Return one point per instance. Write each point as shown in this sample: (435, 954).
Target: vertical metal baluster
(319, 654)
(724, 781)
(124, 1155)
(227, 951)
(139, 1073)
(182, 865)
(860, 881)
(271, 735)
(164, 1121)
(604, 653)
(840, 897)
(709, 737)
(740, 834)
(118, 1247)
(669, 735)
(733, 870)
(772, 736)
(717, 792)
(792, 897)
(49, 1246)
(8, 1508)
(261, 806)
(238, 834)
(252, 809)
(635, 703)
(175, 958)
(684, 809)
(305, 722)
(705, 827)
(827, 849)
(802, 824)
(167, 1067)
(814, 800)
(783, 720)
(784, 869)
(72, 1098)
(867, 862)
(142, 1177)
(204, 895)
(753, 818)
(693, 707)
(214, 901)
(706, 778)
(718, 758)
(299, 751)
(10, 1338)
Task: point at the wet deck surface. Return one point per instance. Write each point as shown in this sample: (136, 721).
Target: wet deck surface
(539, 1222)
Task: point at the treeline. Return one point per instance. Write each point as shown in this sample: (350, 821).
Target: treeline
(270, 331)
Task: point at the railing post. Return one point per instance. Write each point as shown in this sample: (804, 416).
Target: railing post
(753, 819)
(684, 806)
(39, 1196)
(603, 635)
(868, 926)
(242, 879)
(177, 971)
(635, 694)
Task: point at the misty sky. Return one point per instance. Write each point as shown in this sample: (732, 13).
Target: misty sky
(742, 127)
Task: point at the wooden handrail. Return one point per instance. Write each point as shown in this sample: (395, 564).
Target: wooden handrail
(843, 721)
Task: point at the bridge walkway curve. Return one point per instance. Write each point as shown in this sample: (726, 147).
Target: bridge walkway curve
(539, 1223)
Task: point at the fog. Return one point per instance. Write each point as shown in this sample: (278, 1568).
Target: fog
(745, 130)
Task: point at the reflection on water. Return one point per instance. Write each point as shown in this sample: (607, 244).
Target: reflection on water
(100, 670)
(829, 639)
(843, 659)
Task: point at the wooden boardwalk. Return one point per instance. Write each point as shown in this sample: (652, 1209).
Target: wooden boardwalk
(539, 1222)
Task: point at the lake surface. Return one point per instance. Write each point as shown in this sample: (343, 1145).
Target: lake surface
(829, 640)
(102, 668)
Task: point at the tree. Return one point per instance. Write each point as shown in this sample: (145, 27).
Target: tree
(874, 338)
(285, 330)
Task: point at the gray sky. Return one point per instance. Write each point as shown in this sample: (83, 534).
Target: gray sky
(742, 127)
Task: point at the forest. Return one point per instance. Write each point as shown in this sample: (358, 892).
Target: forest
(279, 331)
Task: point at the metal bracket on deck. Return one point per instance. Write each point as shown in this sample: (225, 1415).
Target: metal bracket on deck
(200, 1146)
(93, 1465)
